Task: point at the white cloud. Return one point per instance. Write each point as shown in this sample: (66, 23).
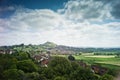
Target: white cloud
(40, 25)
(87, 10)
(36, 19)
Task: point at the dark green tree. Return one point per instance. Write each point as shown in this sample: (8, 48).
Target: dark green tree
(74, 65)
(32, 76)
(118, 55)
(107, 77)
(13, 74)
(71, 58)
(59, 78)
(82, 74)
(22, 55)
(27, 66)
(48, 73)
(60, 65)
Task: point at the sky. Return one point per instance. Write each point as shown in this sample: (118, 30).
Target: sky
(78, 23)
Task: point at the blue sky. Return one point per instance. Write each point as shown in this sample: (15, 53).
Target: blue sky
(34, 4)
(79, 23)
(31, 4)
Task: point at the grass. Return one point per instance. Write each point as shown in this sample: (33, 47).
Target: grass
(110, 62)
(105, 60)
(99, 59)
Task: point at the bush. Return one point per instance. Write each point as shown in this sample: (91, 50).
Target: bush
(107, 77)
(27, 66)
(59, 78)
(60, 66)
(13, 74)
(71, 58)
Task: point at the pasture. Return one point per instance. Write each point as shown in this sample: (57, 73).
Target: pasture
(104, 59)
(109, 61)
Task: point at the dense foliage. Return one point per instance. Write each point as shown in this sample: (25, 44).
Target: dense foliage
(20, 66)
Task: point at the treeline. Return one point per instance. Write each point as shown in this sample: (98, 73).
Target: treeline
(108, 53)
(21, 66)
(103, 53)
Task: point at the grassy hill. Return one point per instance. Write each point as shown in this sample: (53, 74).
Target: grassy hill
(61, 48)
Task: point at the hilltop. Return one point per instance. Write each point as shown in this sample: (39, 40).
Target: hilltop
(56, 49)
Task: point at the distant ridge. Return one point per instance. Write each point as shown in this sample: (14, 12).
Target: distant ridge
(54, 48)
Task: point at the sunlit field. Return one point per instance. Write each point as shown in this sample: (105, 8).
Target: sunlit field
(106, 59)
(109, 61)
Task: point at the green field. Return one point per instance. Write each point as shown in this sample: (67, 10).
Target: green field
(106, 61)
(99, 59)
(109, 61)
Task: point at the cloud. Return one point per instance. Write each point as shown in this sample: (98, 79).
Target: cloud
(87, 10)
(35, 20)
(74, 25)
(116, 11)
(92, 10)
(114, 4)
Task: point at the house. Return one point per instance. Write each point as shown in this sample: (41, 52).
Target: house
(37, 58)
(2, 51)
(43, 59)
(98, 69)
(95, 68)
(6, 51)
(44, 62)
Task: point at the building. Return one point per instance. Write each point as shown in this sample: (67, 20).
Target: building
(43, 59)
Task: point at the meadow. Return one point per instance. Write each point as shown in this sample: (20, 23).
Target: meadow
(109, 61)
(106, 59)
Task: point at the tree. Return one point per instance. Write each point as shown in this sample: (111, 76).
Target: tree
(22, 55)
(13, 74)
(60, 65)
(107, 77)
(59, 78)
(71, 58)
(117, 55)
(82, 74)
(7, 62)
(32, 76)
(49, 73)
(27, 66)
(74, 65)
